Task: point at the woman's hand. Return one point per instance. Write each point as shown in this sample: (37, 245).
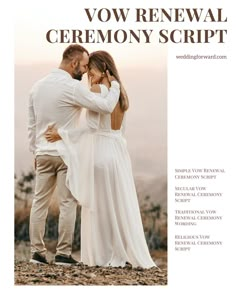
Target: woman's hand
(51, 134)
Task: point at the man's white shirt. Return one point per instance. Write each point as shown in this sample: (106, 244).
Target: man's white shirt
(57, 100)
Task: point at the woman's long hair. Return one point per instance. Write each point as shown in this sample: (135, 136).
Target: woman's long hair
(103, 61)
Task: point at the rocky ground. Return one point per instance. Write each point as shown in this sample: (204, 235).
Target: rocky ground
(31, 274)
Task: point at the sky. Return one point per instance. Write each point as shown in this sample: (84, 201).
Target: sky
(31, 29)
(142, 67)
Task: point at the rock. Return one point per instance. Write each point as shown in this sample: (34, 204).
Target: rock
(29, 274)
(89, 275)
(139, 268)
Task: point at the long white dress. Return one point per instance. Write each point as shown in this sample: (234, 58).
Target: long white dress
(100, 178)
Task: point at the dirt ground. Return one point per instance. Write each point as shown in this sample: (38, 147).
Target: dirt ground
(31, 274)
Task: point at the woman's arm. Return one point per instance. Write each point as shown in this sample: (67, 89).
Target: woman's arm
(95, 88)
(51, 134)
(88, 99)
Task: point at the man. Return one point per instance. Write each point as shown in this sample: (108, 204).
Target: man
(57, 100)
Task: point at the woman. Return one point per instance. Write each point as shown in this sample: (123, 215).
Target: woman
(100, 177)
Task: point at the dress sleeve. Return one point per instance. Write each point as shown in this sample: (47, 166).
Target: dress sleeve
(104, 90)
(80, 164)
(94, 102)
(93, 118)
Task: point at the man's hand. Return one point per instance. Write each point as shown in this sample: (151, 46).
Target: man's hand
(110, 78)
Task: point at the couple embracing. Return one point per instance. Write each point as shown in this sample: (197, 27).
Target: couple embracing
(90, 166)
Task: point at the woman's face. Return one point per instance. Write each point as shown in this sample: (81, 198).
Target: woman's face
(95, 75)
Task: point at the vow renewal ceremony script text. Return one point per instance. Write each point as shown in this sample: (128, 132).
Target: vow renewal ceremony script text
(178, 16)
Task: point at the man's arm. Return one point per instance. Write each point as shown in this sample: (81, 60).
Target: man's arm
(31, 125)
(94, 102)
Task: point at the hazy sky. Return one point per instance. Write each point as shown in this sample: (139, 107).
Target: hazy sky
(33, 20)
(143, 69)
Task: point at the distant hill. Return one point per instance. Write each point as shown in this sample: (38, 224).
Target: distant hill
(153, 187)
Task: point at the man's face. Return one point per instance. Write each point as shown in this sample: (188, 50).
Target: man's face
(81, 67)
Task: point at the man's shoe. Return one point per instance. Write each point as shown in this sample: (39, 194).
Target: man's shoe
(38, 259)
(65, 260)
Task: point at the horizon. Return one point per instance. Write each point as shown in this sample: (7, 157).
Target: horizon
(155, 106)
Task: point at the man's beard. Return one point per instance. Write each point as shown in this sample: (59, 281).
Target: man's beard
(78, 75)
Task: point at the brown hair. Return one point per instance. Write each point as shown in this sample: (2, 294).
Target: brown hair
(103, 61)
(73, 50)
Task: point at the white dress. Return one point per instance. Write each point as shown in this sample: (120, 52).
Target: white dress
(100, 178)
